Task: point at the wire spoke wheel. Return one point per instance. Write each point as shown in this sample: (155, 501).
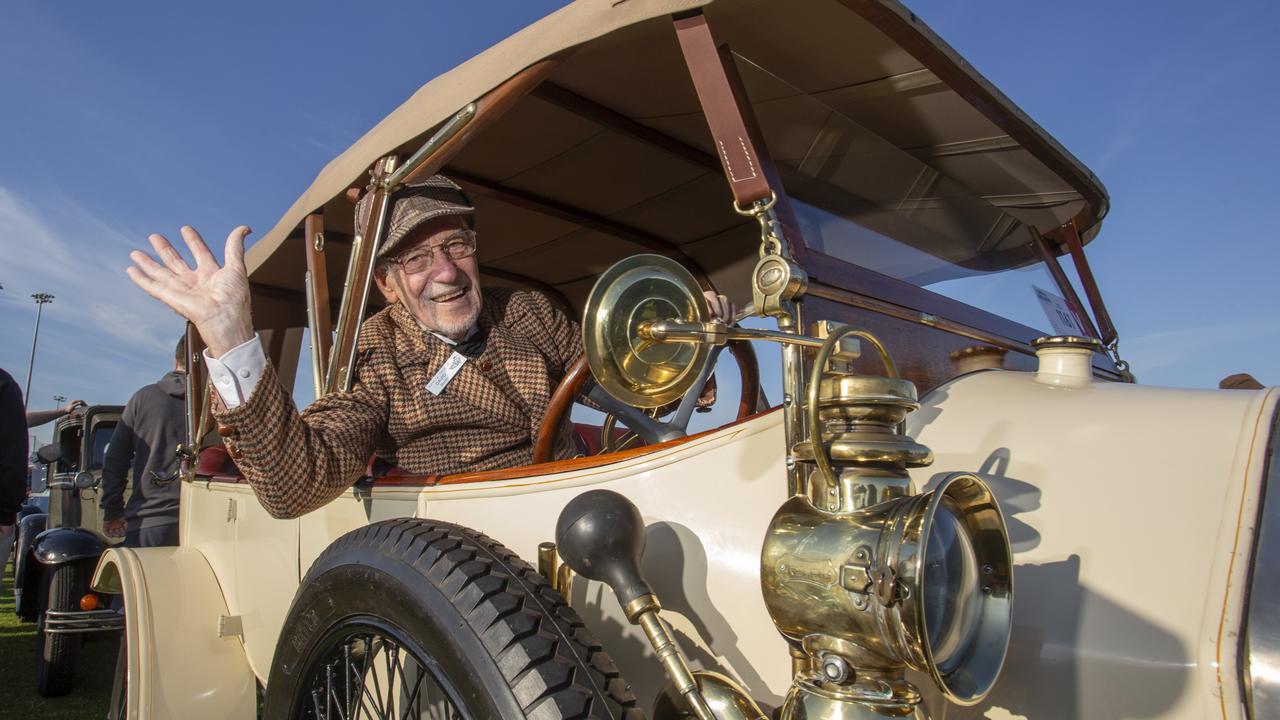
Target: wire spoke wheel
(366, 669)
(414, 619)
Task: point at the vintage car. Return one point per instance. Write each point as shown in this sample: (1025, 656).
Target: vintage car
(58, 549)
(925, 415)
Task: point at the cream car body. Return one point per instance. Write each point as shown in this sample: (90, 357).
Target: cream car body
(1089, 623)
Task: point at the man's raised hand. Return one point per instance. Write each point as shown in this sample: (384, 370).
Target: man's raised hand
(213, 297)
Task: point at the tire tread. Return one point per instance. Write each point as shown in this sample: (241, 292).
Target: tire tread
(554, 665)
(57, 654)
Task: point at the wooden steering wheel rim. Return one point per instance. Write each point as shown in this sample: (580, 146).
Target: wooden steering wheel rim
(561, 400)
(578, 374)
(749, 370)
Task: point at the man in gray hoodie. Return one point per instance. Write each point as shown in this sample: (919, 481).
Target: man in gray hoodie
(147, 436)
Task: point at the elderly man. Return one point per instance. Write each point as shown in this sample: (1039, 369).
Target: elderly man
(450, 377)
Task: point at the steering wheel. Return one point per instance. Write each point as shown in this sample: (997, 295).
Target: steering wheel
(578, 378)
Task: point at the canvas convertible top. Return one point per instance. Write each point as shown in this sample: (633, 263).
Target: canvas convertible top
(612, 150)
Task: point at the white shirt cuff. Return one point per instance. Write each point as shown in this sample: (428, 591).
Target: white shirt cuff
(237, 372)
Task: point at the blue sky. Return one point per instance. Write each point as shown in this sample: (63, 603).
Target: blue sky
(122, 120)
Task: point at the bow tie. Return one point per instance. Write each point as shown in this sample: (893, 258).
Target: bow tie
(472, 346)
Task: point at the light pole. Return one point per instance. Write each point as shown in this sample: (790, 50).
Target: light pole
(41, 299)
(59, 399)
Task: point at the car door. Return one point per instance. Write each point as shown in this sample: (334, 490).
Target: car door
(64, 504)
(99, 424)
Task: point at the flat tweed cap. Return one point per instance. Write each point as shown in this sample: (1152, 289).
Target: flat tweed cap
(414, 204)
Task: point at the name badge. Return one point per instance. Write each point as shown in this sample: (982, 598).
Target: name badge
(446, 372)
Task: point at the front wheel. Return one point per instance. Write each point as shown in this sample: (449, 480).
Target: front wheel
(57, 652)
(423, 619)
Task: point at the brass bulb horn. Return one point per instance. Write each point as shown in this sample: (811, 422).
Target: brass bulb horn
(600, 535)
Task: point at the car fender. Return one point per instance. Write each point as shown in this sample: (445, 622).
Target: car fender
(185, 659)
(52, 548)
(1131, 511)
(28, 528)
(61, 545)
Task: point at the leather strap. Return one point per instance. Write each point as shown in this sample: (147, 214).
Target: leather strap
(1063, 282)
(314, 226)
(1091, 290)
(724, 111)
(199, 413)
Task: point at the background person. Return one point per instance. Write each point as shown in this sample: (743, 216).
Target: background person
(13, 462)
(40, 417)
(14, 473)
(147, 437)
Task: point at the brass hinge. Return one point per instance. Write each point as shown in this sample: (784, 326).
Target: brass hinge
(887, 588)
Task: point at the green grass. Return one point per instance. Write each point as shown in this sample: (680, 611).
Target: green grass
(18, 698)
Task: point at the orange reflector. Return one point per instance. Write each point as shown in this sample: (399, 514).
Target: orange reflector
(89, 602)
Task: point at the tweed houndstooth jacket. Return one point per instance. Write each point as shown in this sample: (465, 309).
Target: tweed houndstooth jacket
(486, 417)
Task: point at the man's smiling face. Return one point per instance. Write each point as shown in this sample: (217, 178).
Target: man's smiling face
(444, 298)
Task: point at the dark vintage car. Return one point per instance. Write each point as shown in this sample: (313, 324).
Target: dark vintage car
(57, 549)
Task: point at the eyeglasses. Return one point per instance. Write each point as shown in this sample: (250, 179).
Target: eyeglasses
(457, 247)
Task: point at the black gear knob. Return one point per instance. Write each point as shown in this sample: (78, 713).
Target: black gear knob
(600, 534)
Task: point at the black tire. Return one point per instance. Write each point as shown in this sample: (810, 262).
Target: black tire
(24, 595)
(56, 654)
(495, 639)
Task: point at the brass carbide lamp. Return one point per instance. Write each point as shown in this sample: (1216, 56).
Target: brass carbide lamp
(864, 576)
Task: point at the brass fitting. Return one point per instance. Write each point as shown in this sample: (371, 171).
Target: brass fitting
(843, 567)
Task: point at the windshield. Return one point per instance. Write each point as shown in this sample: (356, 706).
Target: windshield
(69, 443)
(101, 437)
(862, 199)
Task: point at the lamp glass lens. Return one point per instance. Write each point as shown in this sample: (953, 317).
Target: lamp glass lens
(951, 588)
